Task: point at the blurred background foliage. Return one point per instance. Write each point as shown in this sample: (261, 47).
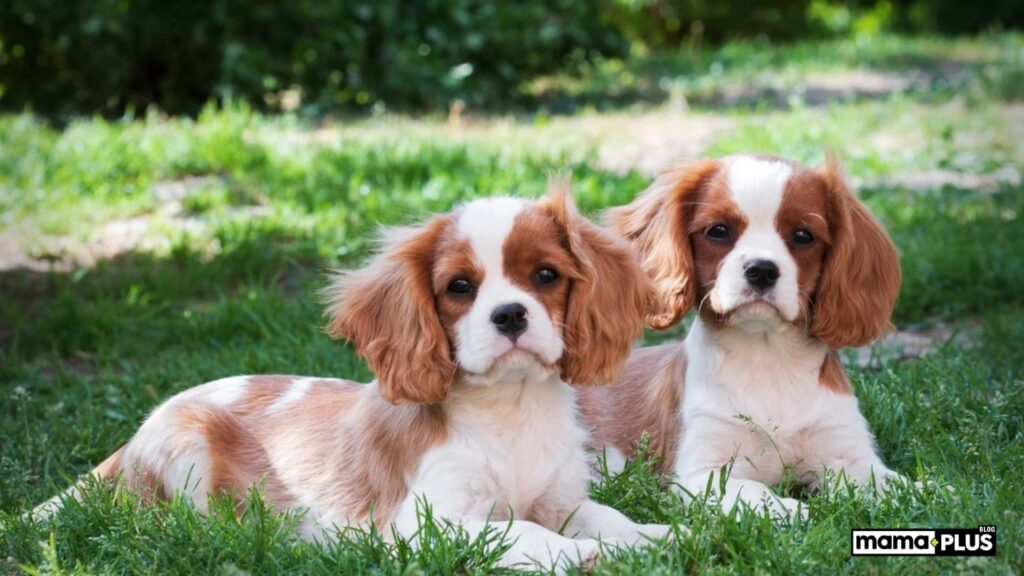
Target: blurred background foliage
(64, 57)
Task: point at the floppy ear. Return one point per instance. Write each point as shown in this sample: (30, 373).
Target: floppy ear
(656, 223)
(861, 276)
(387, 310)
(608, 297)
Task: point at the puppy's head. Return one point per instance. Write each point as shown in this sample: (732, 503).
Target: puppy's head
(499, 286)
(756, 241)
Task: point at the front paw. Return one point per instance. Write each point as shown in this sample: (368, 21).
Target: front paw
(637, 534)
(785, 509)
(654, 532)
(583, 553)
(562, 557)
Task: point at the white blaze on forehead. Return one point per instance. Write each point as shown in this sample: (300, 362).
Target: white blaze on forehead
(757, 185)
(486, 223)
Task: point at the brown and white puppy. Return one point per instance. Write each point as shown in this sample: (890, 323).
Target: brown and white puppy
(785, 267)
(474, 323)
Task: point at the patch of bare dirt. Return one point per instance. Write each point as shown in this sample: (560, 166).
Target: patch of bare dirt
(24, 247)
(938, 179)
(816, 89)
(909, 344)
(650, 142)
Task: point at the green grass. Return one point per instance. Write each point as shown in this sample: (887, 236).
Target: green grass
(87, 351)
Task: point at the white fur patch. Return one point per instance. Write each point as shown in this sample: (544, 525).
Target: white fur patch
(226, 391)
(756, 400)
(757, 185)
(295, 392)
(614, 460)
(486, 224)
(510, 445)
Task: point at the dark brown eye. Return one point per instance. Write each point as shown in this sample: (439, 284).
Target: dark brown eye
(461, 287)
(546, 276)
(718, 233)
(803, 237)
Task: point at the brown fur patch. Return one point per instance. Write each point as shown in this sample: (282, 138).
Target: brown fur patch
(805, 206)
(657, 222)
(832, 375)
(109, 468)
(387, 310)
(262, 391)
(537, 241)
(712, 206)
(354, 449)
(644, 399)
(454, 258)
(608, 296)
(395, 442)
(860, 277)
(238, 459)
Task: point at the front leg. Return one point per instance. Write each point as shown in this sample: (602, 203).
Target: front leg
(868, 472)
(741, 491)
(532, 545)
(464, 502)
(847, 449)
(711, 444)
(593, 520)
(536, 547)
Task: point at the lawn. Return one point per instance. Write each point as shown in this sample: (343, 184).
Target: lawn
(143, 256)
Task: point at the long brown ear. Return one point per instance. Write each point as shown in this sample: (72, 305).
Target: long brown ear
(861, 276)
(609, 296)
(387, 310)
(656, 223)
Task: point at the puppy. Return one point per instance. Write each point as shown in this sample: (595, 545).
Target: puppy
(785, 267)
(474, 324)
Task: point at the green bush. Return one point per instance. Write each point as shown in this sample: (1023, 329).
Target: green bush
(669, 24)
(62, 57)
(65, 57)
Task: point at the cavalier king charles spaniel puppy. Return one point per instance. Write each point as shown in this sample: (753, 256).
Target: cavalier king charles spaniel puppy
(475, 323)
(785, 267)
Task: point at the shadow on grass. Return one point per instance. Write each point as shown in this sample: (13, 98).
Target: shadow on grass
(136, 297)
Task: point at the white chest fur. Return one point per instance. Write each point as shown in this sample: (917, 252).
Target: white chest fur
(512, 444)
(756, 398)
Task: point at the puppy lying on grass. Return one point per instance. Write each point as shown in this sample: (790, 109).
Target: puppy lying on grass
(785, 267)
(475, 323)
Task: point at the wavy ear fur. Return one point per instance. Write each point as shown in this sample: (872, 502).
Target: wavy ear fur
(861, 276)
(609, 296)
(656, 223)
(387, 310)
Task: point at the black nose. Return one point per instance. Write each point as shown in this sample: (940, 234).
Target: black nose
(510, 320)
(761, 274)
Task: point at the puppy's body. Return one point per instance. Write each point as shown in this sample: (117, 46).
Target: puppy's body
(342, 453)
(786, 267)
(328, 446)
(473, 323)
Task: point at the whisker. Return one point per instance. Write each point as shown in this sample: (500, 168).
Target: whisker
(700, 306)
